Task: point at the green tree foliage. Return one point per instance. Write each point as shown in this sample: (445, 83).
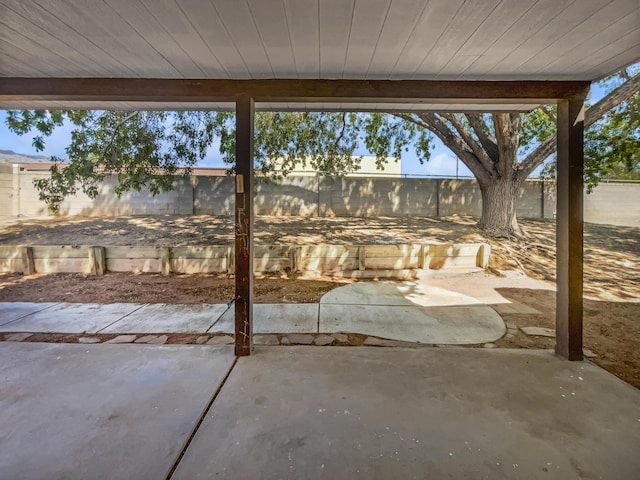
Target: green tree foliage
(150, 148)
(611, 143)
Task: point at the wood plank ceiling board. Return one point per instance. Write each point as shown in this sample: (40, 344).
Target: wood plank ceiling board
(209, 27)
(17, 52)
(570, 17)
(241, 28)
(104, 26)
(336, 17)
(495, 25)
(431, 24)
(304, 30)
(189, 62)
(518, 33)
(100, 29)
(270, 19)
(368, 20)
(39, 54)
(610, 62)
(629, 25)
(574, 38)
(22, 15)
(467, 20)
(358, 39)
(399, 23)
(10, 62)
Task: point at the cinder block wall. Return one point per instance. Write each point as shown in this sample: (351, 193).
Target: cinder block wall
(178, 201)
(613, 203)
(6, 191)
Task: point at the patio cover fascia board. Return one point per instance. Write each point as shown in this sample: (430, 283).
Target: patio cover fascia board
(289, 90)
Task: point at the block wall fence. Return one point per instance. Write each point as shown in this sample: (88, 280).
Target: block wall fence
(308, 196)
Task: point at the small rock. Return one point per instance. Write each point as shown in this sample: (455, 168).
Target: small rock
(539, 331)
(509, 336)
(285, 341)
(266, 340)
(122, 339)
(301, 338)
(322, 340)
(17, 337)
(202, 339)
(490, 345)
(341, 337)
(511, 325)
(88, 340)
(146, 339)
(512, 331)
(588, 353)
(221, 340)
(381, 342)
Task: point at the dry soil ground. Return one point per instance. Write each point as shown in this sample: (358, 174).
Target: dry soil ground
(612, 269)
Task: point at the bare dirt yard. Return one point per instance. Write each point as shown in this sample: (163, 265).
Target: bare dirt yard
(612, 269)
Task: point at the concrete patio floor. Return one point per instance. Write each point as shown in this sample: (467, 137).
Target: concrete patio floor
(127, 411)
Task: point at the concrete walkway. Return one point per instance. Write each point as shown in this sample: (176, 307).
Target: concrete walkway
(420, 311)
(188, 412)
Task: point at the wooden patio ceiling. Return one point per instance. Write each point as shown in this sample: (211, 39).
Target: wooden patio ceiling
(443, 40)
(331, 39)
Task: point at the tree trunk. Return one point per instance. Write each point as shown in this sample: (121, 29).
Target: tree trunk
(499, 197)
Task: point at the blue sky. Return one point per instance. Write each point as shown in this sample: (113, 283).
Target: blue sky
(442, 162)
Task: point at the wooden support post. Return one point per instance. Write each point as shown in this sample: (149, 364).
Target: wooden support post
(28, 266)
(244, 226)
(569, 220)
(165, 261)
(97, 261)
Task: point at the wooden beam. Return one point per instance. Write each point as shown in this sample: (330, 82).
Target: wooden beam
(244, 226)
(288, 90)
(569, 222)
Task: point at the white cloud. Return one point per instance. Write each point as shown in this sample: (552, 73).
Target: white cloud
(444, 164)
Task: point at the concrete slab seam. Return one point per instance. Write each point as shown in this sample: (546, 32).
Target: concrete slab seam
(218, 319)
(198, 424)
(122, 318)
(31, 313)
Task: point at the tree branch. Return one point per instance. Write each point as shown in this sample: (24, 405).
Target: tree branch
(116, 129)
(344, 125)
(548, 113)
(484, 134)
(477, 149)
(593, 114)
(613, 99)
(455, 144)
